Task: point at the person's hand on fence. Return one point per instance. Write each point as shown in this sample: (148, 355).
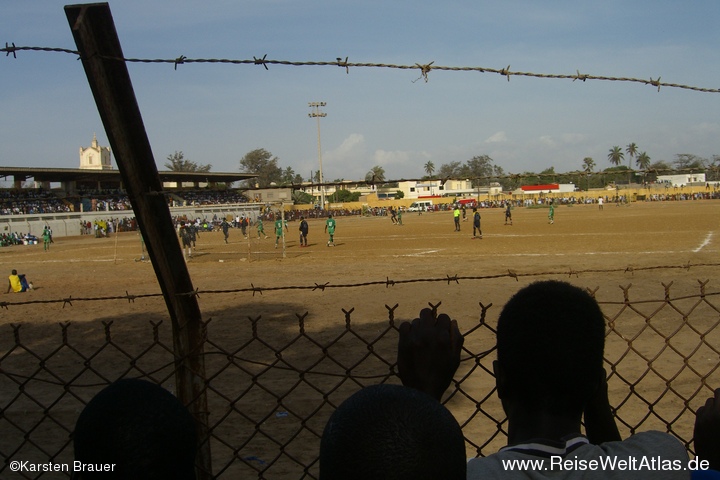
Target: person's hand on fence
(429, 352)
(600, 423)
(707, 431)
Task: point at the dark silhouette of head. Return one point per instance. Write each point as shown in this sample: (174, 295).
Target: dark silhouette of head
(392, 432)
(550, 342)
(141, 428)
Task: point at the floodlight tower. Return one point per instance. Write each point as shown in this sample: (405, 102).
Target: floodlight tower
(317, 114)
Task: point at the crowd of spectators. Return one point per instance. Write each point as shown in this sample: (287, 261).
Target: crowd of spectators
(104, 227)
(209, 197)
(16, 238)
(27, 201)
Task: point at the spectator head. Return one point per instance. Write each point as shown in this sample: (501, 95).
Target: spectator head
(550, 341)
(139, 427)
(392, 432)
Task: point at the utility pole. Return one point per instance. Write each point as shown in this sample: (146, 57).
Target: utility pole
(317, 114)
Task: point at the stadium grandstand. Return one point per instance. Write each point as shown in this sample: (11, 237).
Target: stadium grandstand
(77, 190)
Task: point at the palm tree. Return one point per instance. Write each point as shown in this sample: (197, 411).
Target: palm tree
(616, 155)
(631, 150)
(588, 166)
(429, 168)
(643, 161)
(376, 174)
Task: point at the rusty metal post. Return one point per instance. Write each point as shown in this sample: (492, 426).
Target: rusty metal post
(97, 41)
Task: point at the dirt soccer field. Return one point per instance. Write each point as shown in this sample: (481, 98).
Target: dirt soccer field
(648, 264)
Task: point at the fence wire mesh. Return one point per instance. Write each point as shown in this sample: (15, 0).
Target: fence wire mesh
(273, 383)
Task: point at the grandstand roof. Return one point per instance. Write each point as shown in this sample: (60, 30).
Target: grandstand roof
(77, 174)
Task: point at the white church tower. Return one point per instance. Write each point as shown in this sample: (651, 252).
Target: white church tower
(95, 157)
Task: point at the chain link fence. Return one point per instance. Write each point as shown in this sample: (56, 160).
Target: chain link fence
(272, 383)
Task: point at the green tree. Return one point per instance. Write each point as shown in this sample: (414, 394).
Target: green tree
(631, 150)
(616, 156)
(548, 176)
(643, 161)
(480, 167)
(376, 174)
(300, 197)
(714, 167)
(342, 195)
(660, 167)
(588, 167)
(289, 176)
(449, 170)
(178, 163)
(399, 194)
(689, 161)
(261, 163)
(429, 168)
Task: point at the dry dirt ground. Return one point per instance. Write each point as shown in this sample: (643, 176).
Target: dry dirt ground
(280, 359)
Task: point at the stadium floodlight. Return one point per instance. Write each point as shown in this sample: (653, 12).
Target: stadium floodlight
(316, 113)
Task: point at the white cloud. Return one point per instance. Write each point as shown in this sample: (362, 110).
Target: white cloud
(499, 137)
(548, 140)
(400, 163)
(385, 158)
(563, 139)
(347, 159)
(353, 144)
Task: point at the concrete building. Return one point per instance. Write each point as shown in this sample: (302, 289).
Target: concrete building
(436, 188)
(95, 157)
(682, 179)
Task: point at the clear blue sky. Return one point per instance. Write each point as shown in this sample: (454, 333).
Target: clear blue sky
(217, 113)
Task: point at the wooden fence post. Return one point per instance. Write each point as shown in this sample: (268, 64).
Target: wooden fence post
(97, 41)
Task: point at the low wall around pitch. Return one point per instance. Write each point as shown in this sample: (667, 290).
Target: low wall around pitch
(68, 224)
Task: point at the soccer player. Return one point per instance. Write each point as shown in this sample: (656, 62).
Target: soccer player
(47, 237)
(278, 229)
(456, 216)
(261, 228)
(186, 239)
(551, 213)
(476, 223)
(225, 226)
(508, 214)
(244, 225)
(330, 229)
(303, 232)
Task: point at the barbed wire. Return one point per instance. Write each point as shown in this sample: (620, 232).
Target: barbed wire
(388, 282)
(515, 177)
(424, 69)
